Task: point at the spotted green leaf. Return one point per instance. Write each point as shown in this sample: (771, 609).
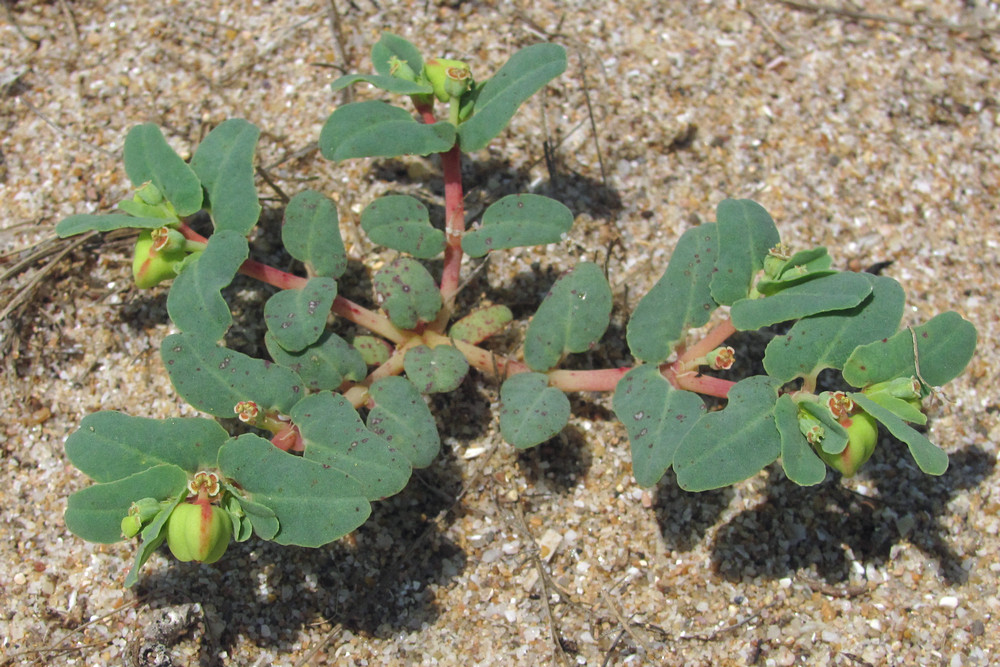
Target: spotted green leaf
(728, 446)
(313, 505)
(296, 318)
(336, 437)
(944, 346)
(214, 379)
(828, 339)
(435, 370)
(680, 300)
(571, 318)
(838, 291)
(531, 412)
(407, 292)
(656, 417)
(195, 301)
(311, 234)
(402, 223)
(479, 325)
(324, 364)
(400, 415)
(518, 220)
(223, 162)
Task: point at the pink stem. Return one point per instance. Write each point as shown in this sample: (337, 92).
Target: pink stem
(713, 339)
(454, 206)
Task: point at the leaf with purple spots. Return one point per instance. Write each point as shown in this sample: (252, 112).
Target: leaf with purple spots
(297, 317)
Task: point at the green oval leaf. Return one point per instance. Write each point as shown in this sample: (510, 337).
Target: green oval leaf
(311, 234)
(522, 76)
(195, 302)
(728, 446)
(571, 318)
(148, 158)
(223, 162)
(657, 417)
(95, 513)
(833, 292)
(802, 266)
(435, 370)
(214, 379)
(376, 129)
(402, 223)
(799, 461)
(518, 220)
(407, 292)
(323, 365)
(313, 506)
(680, 300)
(389, 46)
(296, 318)
(374, 351)
(481, 324)
(103, 222)
(828, 339)
(111, 445)
(746, 234)
(401, 416)
(930, 458)
(944, 345)
(336, 437)
(531, 411)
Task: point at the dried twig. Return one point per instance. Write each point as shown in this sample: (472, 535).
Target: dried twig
(834, 10)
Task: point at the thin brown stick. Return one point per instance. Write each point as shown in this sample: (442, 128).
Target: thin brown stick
(626, 625)
(834, 10)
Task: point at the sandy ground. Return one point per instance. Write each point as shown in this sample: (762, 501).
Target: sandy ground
(878, 137)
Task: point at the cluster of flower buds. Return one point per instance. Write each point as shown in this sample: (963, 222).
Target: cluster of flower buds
(160, 253)
(719, 359)
(449, 79)
(861, 428)
(139, 514)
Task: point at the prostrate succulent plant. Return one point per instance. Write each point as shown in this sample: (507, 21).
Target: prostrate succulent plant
(337, 424)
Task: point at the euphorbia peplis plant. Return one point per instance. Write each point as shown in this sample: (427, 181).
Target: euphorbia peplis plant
(307, 473)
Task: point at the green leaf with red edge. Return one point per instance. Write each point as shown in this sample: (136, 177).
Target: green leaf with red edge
(402, 223)
(435, 370)
(313, 504)
(531, 411)
(479, 325)
(401, 416)
(572, 317)
(148, 158)
(657, 417)
(296, 318)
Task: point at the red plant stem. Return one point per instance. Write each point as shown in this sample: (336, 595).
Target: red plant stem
(451, 163)
(713, 339)
(343, 307)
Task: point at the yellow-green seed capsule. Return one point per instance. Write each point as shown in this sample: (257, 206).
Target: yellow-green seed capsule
(198, 532)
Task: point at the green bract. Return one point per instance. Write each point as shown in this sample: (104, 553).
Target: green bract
(337, 425)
